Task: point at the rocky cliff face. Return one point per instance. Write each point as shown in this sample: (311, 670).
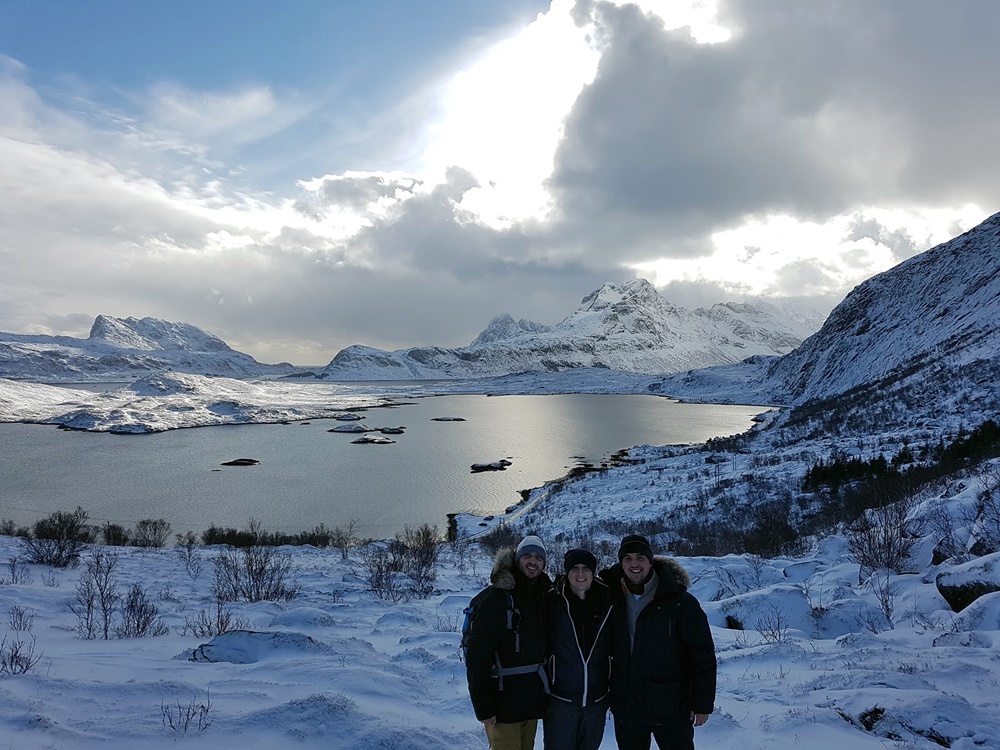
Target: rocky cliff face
(628, 327)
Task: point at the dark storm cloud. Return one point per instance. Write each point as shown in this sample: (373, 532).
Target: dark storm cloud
(813, 109)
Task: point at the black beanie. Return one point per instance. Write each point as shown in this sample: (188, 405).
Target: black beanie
(579, 557)
(637, 545)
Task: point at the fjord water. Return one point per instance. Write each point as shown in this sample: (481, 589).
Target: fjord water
(308, 475)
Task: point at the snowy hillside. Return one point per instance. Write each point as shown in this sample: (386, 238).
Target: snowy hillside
(628, 327)
(125, 349)
(939, 309)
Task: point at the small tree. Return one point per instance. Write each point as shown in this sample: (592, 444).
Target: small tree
(254, 573)
(115, 535)
(151, 533)
(344, 537)
(139, 616)
(883, 539)
(59, 539)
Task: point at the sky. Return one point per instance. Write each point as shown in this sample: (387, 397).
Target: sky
(299, 178)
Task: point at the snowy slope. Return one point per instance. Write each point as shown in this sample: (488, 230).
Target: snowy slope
(124, 349)
(628, 327)
(938, 309)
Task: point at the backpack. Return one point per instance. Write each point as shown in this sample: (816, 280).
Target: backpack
(476, 605)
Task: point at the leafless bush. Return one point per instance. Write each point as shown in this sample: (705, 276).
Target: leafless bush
(17, 573)
(383, 572)
(151, 533)
(255, 573)
(59, 539)
(772, 625)
(422, 547)
(96, 596)
(18, 656)
(139, 616)
(115, 535)
(20, 618)
(986, 520)
(212, 622)
(195, 715)
(942, 526)
(343, 538)
(885, 594)
(883, 538)
(187, 550)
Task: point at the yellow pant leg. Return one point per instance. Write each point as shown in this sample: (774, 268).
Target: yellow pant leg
(518, 736)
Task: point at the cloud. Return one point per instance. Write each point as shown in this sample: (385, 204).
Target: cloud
(807, 110)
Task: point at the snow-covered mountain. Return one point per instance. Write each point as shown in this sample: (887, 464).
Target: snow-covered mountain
(628, 327)
(125, 349)
(925, 331)
(934, 313)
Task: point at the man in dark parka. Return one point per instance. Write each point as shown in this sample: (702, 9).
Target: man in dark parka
(663, 684)
(505, 665)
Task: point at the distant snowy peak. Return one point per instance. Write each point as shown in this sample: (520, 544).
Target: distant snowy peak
(152, 334)
(939, 308)
(503, 327)
(626, 327)
(125, 349)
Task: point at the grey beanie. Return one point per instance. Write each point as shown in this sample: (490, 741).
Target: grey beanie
(529, 544)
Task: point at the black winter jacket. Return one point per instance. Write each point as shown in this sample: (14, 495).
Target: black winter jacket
(523, 695)
(579, 671)
(670, 669)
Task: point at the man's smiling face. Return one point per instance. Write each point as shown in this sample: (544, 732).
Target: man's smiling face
(531, 564)
(636, 567)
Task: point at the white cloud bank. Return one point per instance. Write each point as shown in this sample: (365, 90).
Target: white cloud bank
(748, 148)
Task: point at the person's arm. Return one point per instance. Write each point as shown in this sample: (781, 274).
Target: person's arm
(699, 654)
(485, 637)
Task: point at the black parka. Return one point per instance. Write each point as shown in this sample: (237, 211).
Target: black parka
(523, 695)
(670, 669)
(579, 672)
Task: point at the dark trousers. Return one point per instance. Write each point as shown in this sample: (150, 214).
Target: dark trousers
(670, 735)
(570, 727)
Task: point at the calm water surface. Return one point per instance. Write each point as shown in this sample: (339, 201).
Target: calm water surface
(307, 475)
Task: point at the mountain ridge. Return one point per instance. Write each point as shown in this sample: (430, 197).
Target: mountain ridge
(628, 327)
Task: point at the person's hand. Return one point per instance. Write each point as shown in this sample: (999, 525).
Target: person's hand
(698, 719)
(487, 723)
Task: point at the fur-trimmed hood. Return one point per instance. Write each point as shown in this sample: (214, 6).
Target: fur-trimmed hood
(670, 572)
(502, 576)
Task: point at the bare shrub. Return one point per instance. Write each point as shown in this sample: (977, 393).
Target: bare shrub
(987, 508)
(383, 572)
(504, 535)
(422, 547)
(152, 533)
(883, 538)
(20, 619)
(18, 656)
(139, 616)
(96, 596)
(17, 573)
(9, 528)
(59, 539)
(344, 537)
(187, 550)
(254, 573)
(195, 715)
(212, 622)
(115, 535)
(772, 625)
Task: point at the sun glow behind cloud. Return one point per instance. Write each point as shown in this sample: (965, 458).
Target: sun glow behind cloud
(782, 256)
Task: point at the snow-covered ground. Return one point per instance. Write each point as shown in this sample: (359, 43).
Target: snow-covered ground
(337, 668)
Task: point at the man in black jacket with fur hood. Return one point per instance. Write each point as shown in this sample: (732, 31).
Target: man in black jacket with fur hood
(506, 648)
(663, 681)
